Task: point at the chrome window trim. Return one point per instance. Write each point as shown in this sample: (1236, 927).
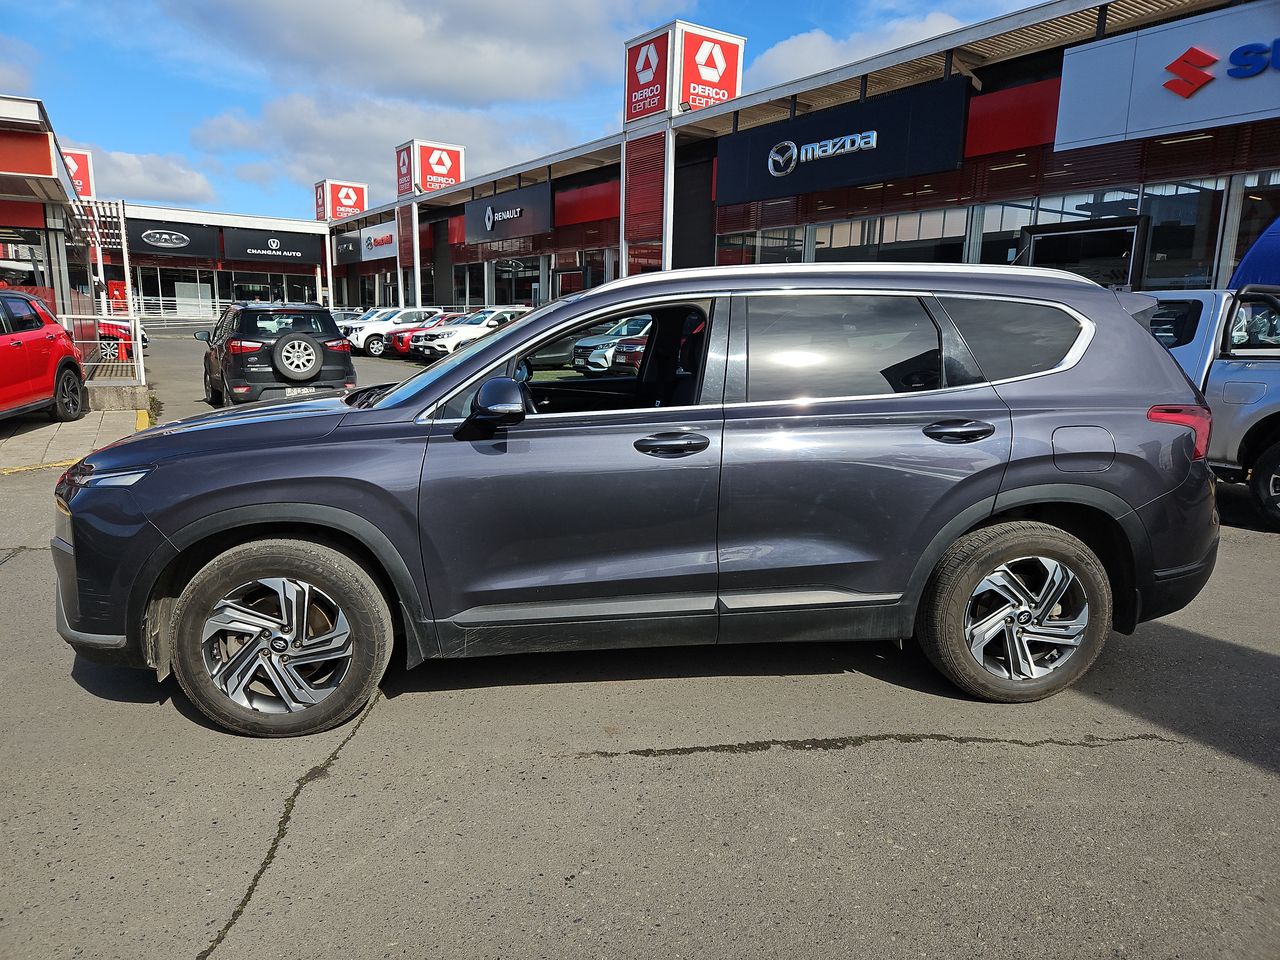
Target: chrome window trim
(549, 335)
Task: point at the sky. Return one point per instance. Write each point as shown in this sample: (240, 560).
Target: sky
(241, 105)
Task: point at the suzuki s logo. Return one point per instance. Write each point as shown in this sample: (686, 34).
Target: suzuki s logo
(1189, 73)
(647, 62)
(167, 239)
(347, 197)
(273, 243)
(440, 162)
(783, 158)
(710, 61)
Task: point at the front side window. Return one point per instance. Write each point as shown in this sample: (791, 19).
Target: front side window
(1011, 338)
(839, 346)
(1256, 327)
(22, 316)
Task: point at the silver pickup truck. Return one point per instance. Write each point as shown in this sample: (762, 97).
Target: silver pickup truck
(1228, 342)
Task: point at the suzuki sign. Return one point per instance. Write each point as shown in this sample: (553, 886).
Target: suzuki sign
(426, 165)
(1208, 71)
(80, 166)
(336, 199)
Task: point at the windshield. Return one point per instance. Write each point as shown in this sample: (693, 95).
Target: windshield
(370, 314)
(441, 368)
(631, 327)
(479, 317)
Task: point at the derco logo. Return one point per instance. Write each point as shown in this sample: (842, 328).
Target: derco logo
(710, 61)
(1191, 74)
(168, 239)
(492, 216)
(346, 196)
(786, 156)
(404, 162)
(647, 62)
(440, 162)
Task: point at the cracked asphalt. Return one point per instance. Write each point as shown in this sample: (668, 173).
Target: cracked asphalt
(765, 801)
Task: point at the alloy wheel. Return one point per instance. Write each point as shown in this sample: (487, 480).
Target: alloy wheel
(69, 394)
(277, 645)
(298, 355)
(374, 346)
(1273, 486)
(1026, 618)
(110, 350)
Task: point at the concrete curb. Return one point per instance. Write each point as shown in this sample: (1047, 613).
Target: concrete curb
(78, 445)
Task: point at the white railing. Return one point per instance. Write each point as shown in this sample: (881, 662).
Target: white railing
(111, 347)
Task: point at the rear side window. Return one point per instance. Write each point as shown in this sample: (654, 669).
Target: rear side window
(1010, 339)
(22, 316)
(278, 323)
(839, 346)
(1174, 322)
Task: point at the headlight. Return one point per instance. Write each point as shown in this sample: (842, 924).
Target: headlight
(83, 475)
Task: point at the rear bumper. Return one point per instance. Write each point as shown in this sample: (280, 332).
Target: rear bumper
(1173, 589)
(277, 391)
(1182, 527)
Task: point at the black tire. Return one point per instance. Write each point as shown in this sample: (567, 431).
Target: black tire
(1264, 484)
(225, 397)
(69, 398)
(375, 346)
(332, 572)
(298, 357)
(940, 623)
(211, 396)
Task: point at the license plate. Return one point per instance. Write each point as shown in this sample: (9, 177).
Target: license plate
(579, 362)
(296, 391)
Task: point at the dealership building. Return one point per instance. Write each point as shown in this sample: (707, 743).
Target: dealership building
(1135, 142)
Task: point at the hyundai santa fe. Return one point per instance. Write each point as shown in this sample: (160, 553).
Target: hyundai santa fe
(1000, 462)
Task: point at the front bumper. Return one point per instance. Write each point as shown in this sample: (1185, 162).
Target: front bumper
(109, 648)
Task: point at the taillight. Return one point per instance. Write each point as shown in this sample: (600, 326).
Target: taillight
(1198, 418)
(236, 345)
(343, 346)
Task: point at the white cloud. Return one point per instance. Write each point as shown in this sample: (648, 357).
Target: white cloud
(147, 177)
(816, 50)
(304, 138)
(468, 53)
(17, 59)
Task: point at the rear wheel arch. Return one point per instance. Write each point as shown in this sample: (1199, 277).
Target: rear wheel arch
(1102, 520)
(1258, 439)
(166, 572)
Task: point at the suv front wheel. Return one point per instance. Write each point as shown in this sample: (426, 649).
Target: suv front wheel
(280, 638)
(1015, 612)
(375, 346)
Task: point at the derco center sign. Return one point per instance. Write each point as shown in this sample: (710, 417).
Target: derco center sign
(1215, 69)
(706, 69)
(914, 131)
(427, 165)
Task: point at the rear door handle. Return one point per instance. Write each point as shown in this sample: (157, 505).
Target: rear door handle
(668, 446)
(959, 431)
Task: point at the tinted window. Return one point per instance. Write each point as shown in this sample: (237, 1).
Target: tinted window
(1013, 339)
(839, 346)
(1256, 326)
(1174, 323)
(277, 323)
(22, 316)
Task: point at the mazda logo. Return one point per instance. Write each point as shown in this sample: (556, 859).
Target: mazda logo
(488, 218)
(783, 158)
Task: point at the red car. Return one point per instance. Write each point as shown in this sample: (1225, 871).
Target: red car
(399, 341)
(628, 354)
(40, 365)
(115, 338)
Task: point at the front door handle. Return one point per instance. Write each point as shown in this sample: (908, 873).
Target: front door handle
(671, 445)
(959, 431)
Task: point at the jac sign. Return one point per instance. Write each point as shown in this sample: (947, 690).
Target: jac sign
(336, 199)
(1212, 70)
(80, 166)
(681, 67)
(426, 165)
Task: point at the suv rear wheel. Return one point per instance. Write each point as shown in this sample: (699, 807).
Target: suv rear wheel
(68, 397)
(280, 638)
(1264, 484)
(1015, 612)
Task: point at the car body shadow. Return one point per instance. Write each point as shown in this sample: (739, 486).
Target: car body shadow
(127, 685)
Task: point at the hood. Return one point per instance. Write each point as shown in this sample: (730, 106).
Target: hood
(266, 423)
(599, 341)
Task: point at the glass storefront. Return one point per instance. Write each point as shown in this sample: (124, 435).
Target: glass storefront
(187, 289)
(1183, 233)
(850, 241)
(24, 259)
(1259, 208)
(1002, 225)
(932, 236)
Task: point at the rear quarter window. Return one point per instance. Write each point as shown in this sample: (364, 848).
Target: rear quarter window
(1175, 321)
(1010, 338)
(278, 323)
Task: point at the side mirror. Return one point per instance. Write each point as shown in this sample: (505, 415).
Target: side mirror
(491, 323)
(202, 335)
(499, 402)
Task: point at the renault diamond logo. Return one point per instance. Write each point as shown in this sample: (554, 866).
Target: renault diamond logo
(273, 243)
(647, 62)
(783, 158)
(488, 218)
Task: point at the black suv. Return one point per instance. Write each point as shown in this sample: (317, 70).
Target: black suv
(1001, 462)
(265, 351)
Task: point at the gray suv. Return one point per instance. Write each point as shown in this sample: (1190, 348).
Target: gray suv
(1000, 462)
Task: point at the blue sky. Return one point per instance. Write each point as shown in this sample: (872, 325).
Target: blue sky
(241, 105)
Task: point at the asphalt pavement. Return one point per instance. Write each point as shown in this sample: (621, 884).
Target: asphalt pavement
(781, 800)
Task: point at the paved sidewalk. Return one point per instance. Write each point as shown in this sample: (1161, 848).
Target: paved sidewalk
(33, 441)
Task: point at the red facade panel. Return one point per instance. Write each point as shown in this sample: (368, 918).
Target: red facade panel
(644, 174)
(599, 201)
(19, 213)
(25, 152)
(1024, 116)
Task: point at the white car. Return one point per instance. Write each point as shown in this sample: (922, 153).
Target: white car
(441, 342)
(371, 337)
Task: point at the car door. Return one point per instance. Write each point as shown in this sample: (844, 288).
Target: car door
(581, 528)
(851, 440)
(1243, 381)
(27, 328)
(218, 342)
(15, 381)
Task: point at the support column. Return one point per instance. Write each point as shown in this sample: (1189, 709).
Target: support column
(973, 234)
(490, 283)
(668, 192)
(1224, 265)
(622, 208)
(417, 257)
